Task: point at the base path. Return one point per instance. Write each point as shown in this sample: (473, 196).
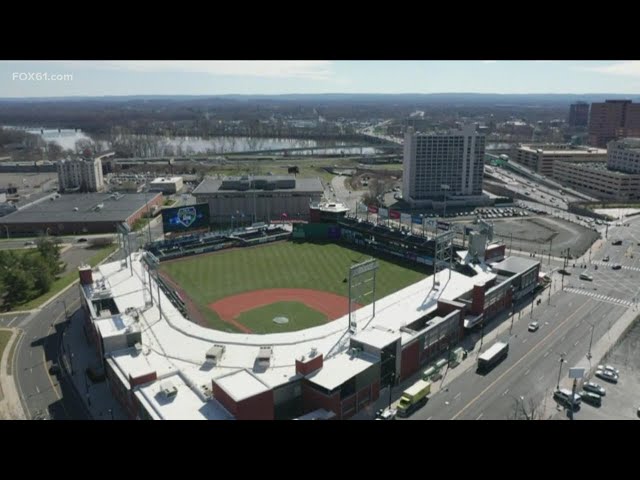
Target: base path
(332, 305)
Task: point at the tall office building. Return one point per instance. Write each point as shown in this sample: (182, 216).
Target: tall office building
(80, 175)
(579, 114)
(613, 119)
(439, 164)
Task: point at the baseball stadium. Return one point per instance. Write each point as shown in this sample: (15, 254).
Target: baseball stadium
(290, 320)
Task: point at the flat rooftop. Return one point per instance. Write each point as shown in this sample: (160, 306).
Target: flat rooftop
(557, 149)
(341, 368)
(515, 264)
(166, 179)
(600, 168)
(187, 404)
(212, 185)
(241, 385)
(62, 209)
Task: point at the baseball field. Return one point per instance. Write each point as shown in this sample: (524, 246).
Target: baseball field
(280, 287)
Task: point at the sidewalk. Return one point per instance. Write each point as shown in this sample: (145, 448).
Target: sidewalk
(76, 355)
(10, 405)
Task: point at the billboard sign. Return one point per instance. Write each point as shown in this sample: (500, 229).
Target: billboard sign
(405, 218)
(185, 218)
(417, 219)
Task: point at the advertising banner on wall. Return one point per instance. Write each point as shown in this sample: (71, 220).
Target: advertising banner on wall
(185, 218)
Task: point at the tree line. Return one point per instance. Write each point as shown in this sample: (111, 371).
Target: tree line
(25, 275)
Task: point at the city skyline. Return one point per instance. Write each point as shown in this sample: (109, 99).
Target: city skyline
(203, 77)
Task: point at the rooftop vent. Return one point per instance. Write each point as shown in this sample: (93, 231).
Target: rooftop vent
(168, 389)
(314, 352)
(264, 356)
(138, 347)
(214, 354)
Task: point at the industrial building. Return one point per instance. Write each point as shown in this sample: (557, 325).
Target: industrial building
(541, 158)
(259, 197)
(159, 365)
(166, 185)
(79, 213)
(80, 175)
(442, 165)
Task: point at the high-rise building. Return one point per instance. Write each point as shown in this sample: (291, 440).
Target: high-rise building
(624, 155)
(579, 114)
(83, 175)
(439, 164)
(613, 119)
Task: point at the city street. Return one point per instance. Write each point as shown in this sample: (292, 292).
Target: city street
(575, 319)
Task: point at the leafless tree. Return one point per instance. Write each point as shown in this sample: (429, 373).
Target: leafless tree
(525, 410)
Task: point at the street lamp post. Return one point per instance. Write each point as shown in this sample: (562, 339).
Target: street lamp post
(111, 413)
(560, 370)
(593, 326)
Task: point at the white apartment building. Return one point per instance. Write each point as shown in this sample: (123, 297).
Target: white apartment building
(84, 175)
(433, 160)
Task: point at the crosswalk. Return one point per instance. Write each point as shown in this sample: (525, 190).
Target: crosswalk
(623, 267)
(599, 296)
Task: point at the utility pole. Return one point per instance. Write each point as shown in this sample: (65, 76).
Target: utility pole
(550, 288)
(560, 371)
(550, 246)
(591, 340)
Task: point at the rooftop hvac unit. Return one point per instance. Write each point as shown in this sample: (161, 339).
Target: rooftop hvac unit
(168, 389)
(264, 356)
(214, 354)
(138, 347)
(314, 352)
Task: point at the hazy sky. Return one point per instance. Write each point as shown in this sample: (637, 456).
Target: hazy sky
(173, 77)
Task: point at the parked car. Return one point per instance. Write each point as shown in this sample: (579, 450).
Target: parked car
(594, 388)
(533, 326)
(607, 375)
(591, 398)
(564, 272)
(606, 259)
(82, 240)
(386, 414)
(609, 368)
(616, 266)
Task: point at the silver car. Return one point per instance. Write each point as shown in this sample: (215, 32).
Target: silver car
(607, 375)
(594, 388)
(610, 368)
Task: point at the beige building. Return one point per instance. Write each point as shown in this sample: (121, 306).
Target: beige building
(624, 155)
(595, 179)
(80, 175)
(166, 184)
(541, 157)
(258, 198)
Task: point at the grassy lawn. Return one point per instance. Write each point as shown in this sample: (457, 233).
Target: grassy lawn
(5, 335)
(208, 278)
(66, 280)
(260, 320)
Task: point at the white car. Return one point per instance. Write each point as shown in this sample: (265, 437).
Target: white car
(609, 368)
(533, 326)
(607, 375)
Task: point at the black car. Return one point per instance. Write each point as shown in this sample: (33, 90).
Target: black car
(591, 398)
(564, 272)
(82, 240)
(616, 266)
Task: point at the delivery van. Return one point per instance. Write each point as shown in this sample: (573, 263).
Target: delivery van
(413, 398)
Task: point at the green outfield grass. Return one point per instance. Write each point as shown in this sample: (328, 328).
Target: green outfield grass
(208, 278)
(260, 320)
